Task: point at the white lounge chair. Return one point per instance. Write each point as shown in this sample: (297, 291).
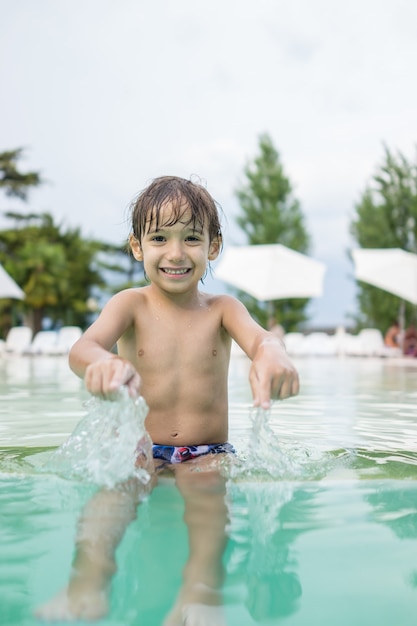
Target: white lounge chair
(293, 343)
(368, 342)
(349, 345)
(318, 344)
(373, 343)
(67, 336)
(18, 340)
(43, 342)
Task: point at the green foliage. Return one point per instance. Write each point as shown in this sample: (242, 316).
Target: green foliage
(271, 214)
(55, 266)
(386, 217)
(12, 181)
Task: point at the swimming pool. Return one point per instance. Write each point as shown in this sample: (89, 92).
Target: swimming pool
(331, 538)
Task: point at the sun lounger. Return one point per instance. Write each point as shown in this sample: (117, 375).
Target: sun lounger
(43, 342)
(293, 343)
(317, 344)
(18, 340)
(67, 336)
(368, 342)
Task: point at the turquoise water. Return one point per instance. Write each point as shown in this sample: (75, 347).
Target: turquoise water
(327, 536)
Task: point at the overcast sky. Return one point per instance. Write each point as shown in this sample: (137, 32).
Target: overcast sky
(105, 95)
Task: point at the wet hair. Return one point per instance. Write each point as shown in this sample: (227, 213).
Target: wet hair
(182, 194)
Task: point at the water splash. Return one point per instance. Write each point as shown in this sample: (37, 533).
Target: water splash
(266, 457)
(104, 447)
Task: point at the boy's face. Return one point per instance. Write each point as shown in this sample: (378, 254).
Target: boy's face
(175, 256)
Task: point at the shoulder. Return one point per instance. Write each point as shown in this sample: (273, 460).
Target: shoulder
(231, 310)
(134, 294)
(224, 302)
(126, 301)
(116, 317)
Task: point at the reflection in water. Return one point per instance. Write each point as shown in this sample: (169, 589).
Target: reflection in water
(266, 520)
(40, 400)
(301, 553)
(396, 507)
(373, 464)
(15, 529)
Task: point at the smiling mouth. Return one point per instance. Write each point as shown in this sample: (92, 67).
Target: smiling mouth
(175, 272)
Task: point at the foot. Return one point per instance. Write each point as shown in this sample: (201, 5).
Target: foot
(77, 602)
(199, 605)
(203, 615)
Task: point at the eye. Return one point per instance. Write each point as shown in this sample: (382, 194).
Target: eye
(193, 239)
(158, 238)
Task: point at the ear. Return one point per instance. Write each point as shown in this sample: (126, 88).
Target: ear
(214, 248)
(135, 247)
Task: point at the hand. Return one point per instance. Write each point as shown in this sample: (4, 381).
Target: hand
(104, 378)
(272, 375)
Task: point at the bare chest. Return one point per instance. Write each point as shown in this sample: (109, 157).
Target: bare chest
(191, 342)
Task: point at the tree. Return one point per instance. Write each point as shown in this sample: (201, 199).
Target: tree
(12, 181)
(55, 266)
(271, 214)
(15, 184)
(386, 217)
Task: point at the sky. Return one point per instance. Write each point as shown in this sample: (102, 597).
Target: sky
(105, 95)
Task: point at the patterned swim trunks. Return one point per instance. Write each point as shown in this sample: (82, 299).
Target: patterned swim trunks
(179, 454)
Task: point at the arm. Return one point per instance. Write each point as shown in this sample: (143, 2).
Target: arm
(272, 374)
(391, 338)
(91, 357)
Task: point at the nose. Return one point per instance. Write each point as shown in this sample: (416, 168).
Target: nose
(175, 251)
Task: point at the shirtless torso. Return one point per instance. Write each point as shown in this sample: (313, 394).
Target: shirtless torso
(165, 343)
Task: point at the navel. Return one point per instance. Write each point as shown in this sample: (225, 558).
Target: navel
(141, 352)
(214, 352)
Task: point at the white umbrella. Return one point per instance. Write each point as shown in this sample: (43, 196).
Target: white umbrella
(391, 269)
(271, 272)
(8, 287)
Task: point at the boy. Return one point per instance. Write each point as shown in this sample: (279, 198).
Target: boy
(174, 346)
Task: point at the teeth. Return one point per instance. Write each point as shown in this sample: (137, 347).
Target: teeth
(168, 271)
